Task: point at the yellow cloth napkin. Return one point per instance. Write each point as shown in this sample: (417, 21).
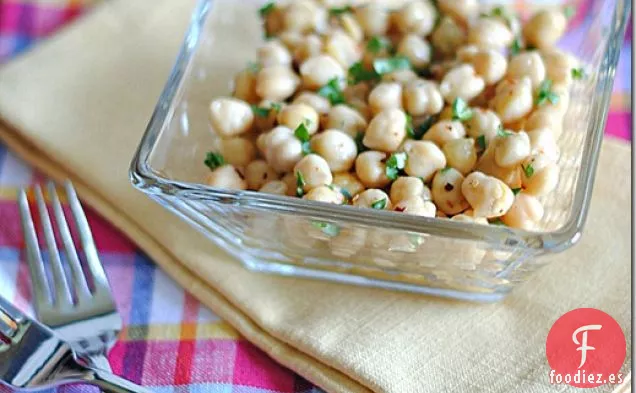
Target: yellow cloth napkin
(76, 108)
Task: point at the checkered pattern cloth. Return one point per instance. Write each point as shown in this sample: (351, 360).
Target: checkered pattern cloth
(170, 342)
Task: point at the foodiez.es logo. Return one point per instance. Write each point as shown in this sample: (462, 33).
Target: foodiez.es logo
(586, 348)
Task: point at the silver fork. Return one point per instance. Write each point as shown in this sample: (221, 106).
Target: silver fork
(88, 321)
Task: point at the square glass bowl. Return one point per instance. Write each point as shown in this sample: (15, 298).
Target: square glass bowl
(292, 236)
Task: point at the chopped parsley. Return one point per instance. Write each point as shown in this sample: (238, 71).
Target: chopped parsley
(213, 160)
(395, 163)
(409, 127)
(528, 170)
(359, 144)
(377, 44)
(569, 11)
(345, 193)
(327, 228)
(276, 106)
(515, 49)
(578, 73)
(516, 191)
(497, 221)
(340, 10)
(302, 133)
(357, 73)
(445, 169)
(380, 204)
(546, 94)
(300, 184)
(503, 133)
(259, 111)
(461, 110)
(419, 131)
(332, 92)
(266, 9)
(386, 66)
(481, 142)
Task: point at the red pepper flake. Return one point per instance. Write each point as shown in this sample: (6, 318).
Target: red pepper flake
(400, 209)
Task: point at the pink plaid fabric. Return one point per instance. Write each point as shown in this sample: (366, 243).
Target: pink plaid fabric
(170, 342)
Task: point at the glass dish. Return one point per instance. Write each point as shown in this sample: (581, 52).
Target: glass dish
(295, 237)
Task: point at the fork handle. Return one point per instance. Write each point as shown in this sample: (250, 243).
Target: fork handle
(111, 383)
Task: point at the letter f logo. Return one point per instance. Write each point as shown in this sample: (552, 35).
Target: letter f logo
(583, 344)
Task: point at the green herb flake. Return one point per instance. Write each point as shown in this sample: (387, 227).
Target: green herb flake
(419, 131)
(302, 133)
(515, 49)
(409, 127)
(276, 106)
(260, 112)
(445, 169)
(503, 133)
(481, 142)
(357, 74)
(516, 191)
(528, 170)
(498, 222)
(266, 9)
(327, 228)
(380, 204)
(332, 92)
(345, 193)
(461, 110)
(395, 163)
(300, 184)
(388, 65)
(578, 73)
(546, 94)
(213, 160)
(359, 143)
(569, 11)
(377, 44)
(337, 11)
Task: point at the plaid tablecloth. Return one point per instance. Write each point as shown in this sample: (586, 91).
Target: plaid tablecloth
(170, 342)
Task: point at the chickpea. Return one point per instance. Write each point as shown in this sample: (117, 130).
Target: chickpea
(315, 171)
(484, 122)
(342, 48)
(266, 123)
(291, 39)
(542, 142)
(290, 180)
(563, 103)
(321, 105)
(447, 191)
(545, 28)
(416, 206)
(370, 197)
(445, 131)
(405, 187)
(351, 26)
(424, 159)
(276, 83)
(385, 96)
(416, 17)
(403, 77)
(346, 119)
(489, 33)
(466, 53)
(226, 176)
(490, 64)
(512, 149)
(465, 217)
(273, 53)
(371, 169)
(559, 66)
(488, 196)
(373, 18)
(301, 16)
(545, 117)
(527, 64)
(461, 82)
(319, 70)
(258, 173)
(448, 37)
(525, 213)
(487, 164)
(422, 97)
(544, 175)
(230, 116)
(245, 86)
(294, 115)
(310, 46)
(273, 22)
(461, 10)
(337, 148)
(276, 187)
(513, 99)
(386, 131)
(349, 182)
(416, 49)
(281, 148)
(461, 154)
(324, 194)
(238, 151)
(356, 97)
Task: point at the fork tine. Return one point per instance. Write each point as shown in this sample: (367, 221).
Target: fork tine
(95, 268)
(60, 285)
(39, 285)
(77, 275)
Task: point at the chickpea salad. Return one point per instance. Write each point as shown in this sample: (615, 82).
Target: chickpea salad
(438, 109)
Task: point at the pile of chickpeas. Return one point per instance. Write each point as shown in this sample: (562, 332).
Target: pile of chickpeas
(434, 109)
